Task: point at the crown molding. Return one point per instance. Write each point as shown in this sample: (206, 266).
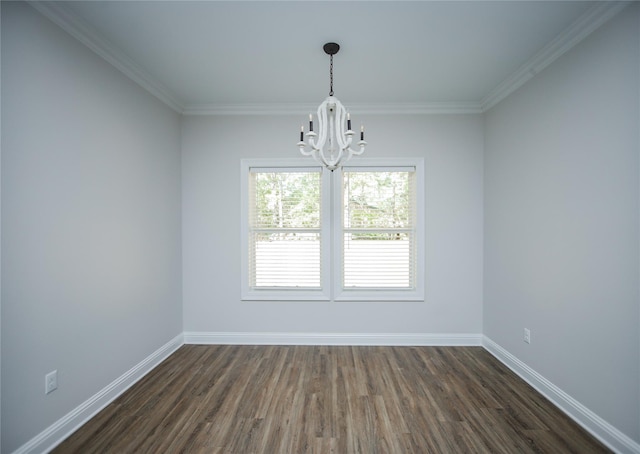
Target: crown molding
(366, 109)
(77, 28)
(591, 20)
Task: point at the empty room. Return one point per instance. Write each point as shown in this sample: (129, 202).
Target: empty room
(320, 226)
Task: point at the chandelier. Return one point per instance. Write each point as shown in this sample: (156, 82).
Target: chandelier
(331, 145)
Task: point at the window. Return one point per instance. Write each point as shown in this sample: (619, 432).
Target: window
(378, 234)
(349, 235)
(284, 228)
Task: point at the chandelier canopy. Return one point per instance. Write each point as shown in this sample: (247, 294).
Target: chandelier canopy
(331, 145)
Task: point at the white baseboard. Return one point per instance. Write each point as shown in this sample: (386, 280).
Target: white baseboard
(592, 423)
(390, 339)
(605, 432)
(65, 426)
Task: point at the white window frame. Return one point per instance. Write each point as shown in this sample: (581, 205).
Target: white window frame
(331, 234)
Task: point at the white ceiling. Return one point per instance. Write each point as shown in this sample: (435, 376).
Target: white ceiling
(208, 55)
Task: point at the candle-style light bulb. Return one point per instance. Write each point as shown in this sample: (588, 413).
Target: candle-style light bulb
(348, 121)
(302, 133)
(362, 132)
(310, 123)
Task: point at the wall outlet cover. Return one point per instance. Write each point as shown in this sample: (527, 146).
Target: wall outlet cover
(51, 382)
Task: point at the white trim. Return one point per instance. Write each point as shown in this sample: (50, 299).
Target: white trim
(331, 230)
(358, 109)
(591, 422)
(596, 16)
(57, 432)
(591, 20)
(65, 426)
(79, 29)
(355, 339)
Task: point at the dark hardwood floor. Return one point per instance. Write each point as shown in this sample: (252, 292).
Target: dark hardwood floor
(321, 399)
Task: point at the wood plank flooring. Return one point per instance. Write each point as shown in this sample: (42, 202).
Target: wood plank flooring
(330, 399)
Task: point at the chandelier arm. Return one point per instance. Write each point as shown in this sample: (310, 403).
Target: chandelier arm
(322, 126)
(343, 137)
(312, 143)
(304, 151)
(361, 144)
(353, 152)
(311, 139)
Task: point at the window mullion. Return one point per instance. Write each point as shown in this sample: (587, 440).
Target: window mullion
(327, 217)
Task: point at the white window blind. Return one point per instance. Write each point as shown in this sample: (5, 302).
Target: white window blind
(284, 228)
(378, 229)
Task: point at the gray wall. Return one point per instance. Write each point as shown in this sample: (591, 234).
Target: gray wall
(93, 256)
(561, 223)
(90, 223)
(211, 151)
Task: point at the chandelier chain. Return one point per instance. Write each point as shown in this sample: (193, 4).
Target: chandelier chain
(331, 75)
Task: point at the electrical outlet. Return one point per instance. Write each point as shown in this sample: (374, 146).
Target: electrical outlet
(527, 335)
(51, 382)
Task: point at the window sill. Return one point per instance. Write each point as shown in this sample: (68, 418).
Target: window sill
(345, 296)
